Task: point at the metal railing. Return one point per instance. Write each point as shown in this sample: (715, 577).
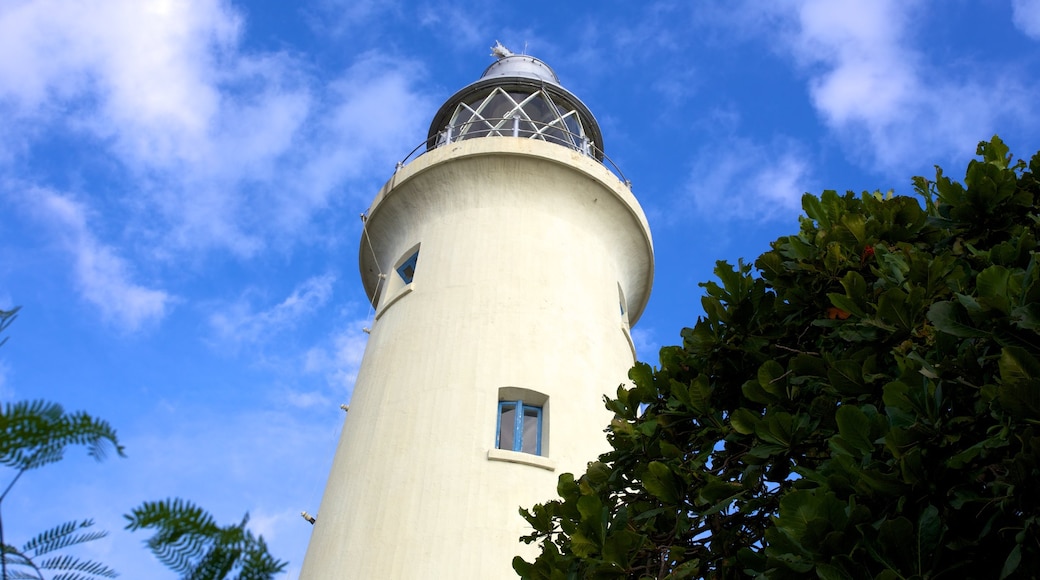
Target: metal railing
(515, 126)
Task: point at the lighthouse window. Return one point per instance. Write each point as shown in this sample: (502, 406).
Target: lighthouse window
(519, 427)
(399, 281)
(517, 113)
(407, 268)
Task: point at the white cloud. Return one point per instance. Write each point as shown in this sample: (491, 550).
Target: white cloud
(339, 360)
(307, 399)
(647, 345)
(239, 324)
(736, 178)
(466, 25)
(148, 62)
(101, 275)
(218, 147)
(876, 91)
(370, 117)
(1026, 16)
(6, 393)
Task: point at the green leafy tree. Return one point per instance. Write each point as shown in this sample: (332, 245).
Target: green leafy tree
(37, 555)
(37, 433)
(34, 434)
(864, 405)
(188, 541)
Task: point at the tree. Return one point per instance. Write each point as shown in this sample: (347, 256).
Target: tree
(865, 404)
(189, 542)
(37, 433)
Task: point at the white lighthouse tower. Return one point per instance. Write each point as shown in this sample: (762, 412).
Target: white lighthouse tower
(506, 265)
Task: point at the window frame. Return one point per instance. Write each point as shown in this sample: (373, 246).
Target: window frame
(408, 265)
(398, 284)
(520, 410)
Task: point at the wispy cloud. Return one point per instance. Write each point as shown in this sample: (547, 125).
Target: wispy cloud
(6, 393)
(240, 324)
(875, 89)
(102, 276)
(218, 147)
(737, 178)
(1026, 16)
(465, 24)
(646, 343)
(146, 65)
(316, 375)
(339, 358)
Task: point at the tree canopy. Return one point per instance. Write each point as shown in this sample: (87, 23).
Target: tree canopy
(863, 403)
(34, 434)
(187, 538)
(189, 541)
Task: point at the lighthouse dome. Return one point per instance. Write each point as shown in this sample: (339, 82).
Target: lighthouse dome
(521, 65)
(517, 96)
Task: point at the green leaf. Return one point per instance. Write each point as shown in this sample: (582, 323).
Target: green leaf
(1011, 562)
(894, 309)
(929, 532)
(854, 429)
(770, 376)
(992, 286)
(994, 152)
(845, 303)
(846, 376)
(814, 209)
(1019, 388)
(660, 482)
(743, 421)
(590, 507)
(951, 318)
(828, 572)
(582, 546)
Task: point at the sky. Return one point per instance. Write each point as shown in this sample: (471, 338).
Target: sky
(181, 183)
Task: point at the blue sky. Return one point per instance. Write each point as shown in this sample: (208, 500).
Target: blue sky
(180, 185)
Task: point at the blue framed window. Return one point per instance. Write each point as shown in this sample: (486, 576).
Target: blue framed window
(407, 268)
(519, 427)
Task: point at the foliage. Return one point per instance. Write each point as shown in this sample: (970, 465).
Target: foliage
(6, 318)
(189, 542)
(36, 433)
(27, 564)
(866, 406)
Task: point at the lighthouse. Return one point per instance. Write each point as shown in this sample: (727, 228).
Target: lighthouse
(506, 265)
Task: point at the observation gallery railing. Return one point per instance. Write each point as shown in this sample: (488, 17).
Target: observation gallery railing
(520, 127)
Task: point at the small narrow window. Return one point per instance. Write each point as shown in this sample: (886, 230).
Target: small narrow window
(399, 280)
(519, 427)
(407, 268)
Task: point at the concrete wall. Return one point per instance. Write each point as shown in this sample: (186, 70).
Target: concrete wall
(523, 246)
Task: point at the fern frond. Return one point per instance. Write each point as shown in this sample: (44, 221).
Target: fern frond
(12, 557)
(6, 318)
(71, 576)
(259, 564)
(72, 565)
(188, 541)
(216, 564)
(184, 531)
(62, 536)
(36, 433)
